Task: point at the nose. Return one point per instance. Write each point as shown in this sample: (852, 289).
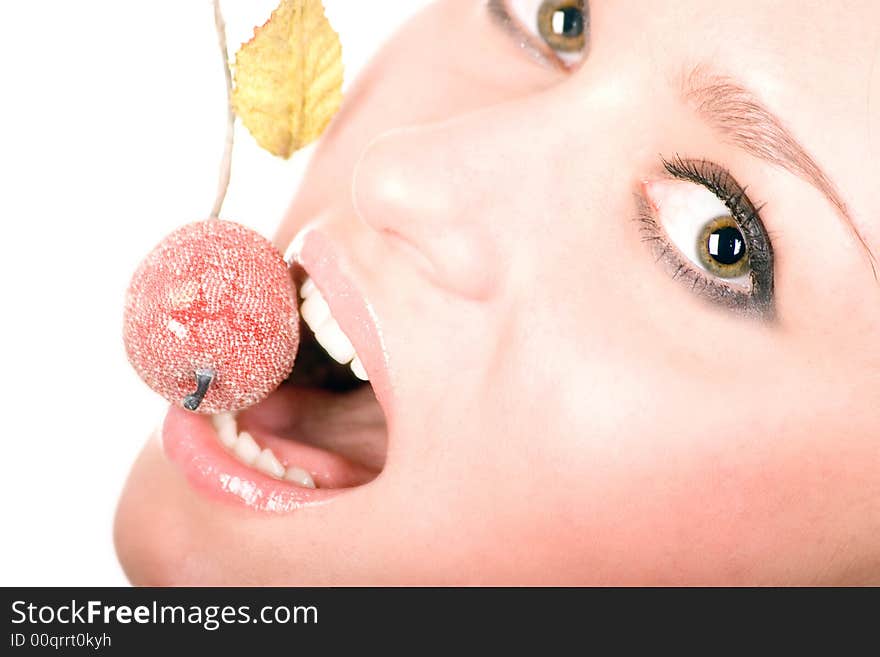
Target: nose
(434, 189)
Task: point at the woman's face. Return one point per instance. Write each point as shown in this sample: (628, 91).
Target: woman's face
(599, 360)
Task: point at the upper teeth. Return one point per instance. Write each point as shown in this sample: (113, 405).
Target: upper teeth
(316, 313)
(245, 449)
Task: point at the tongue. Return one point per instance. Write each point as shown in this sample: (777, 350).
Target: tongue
(350, 425)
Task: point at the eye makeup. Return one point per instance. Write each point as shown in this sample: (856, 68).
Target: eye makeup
(709, 282)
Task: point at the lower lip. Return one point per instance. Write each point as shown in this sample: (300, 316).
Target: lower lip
(190, 441)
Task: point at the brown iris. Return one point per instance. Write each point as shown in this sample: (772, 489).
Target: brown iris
(561, 24)
(721, 248)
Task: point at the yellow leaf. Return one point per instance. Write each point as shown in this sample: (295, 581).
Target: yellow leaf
(288, 77)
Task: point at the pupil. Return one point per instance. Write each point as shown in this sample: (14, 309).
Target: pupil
(568, 22)
(727, 245)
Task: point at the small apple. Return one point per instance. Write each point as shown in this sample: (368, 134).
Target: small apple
(211, 317)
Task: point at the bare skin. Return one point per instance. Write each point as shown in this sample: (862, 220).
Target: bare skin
(568, 412)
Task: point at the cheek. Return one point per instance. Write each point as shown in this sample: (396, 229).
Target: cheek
(641, 451)
(640, 504)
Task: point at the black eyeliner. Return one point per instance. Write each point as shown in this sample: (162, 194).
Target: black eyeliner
(760, 299)
(720, 182)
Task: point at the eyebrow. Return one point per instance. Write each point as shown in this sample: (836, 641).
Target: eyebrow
(738, 115)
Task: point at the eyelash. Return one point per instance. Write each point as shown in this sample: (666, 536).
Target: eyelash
(759, 300)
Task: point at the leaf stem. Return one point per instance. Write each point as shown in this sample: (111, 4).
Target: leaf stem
(226, 162)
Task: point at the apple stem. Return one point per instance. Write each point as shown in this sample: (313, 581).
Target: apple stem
(226, 162)
(204, 378)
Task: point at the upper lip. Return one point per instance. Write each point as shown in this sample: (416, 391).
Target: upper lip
(332, 274)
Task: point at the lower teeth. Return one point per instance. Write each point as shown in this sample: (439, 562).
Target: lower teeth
(246, 450)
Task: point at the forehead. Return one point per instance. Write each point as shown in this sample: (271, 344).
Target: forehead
(823, 49)
(815, 65)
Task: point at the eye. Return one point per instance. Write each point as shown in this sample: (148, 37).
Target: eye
(709, 234)
(701, 228)
(555, 30)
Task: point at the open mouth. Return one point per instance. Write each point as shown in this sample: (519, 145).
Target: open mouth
(323, 428)
(322, 431)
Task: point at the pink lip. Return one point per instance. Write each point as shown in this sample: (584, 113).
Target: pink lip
(190, 440)
(314, 251)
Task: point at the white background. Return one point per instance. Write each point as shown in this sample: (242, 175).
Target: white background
(112, 118)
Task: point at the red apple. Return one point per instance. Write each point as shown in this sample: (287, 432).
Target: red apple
(212, 309)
